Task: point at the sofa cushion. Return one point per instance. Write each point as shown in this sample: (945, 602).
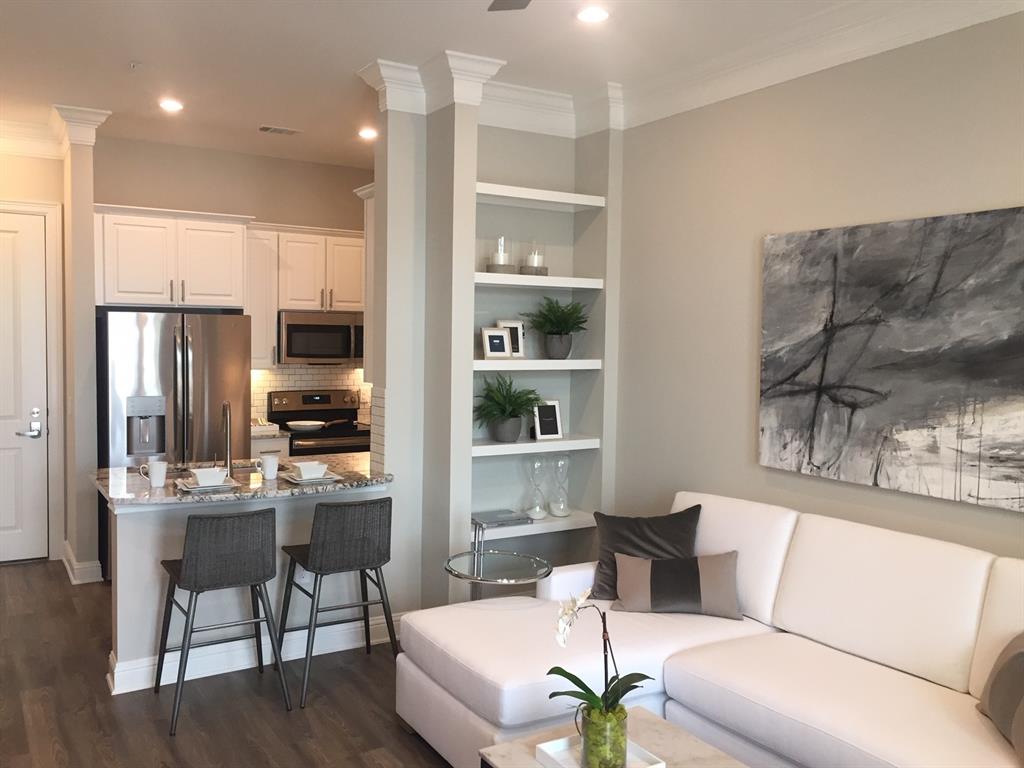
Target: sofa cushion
(493, 655)
(704, 585)
(1001, 619)
(820, 707)
(759, 532)
(905, 601)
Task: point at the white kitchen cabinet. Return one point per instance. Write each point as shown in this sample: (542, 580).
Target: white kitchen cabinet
(346, 283)
(303, 270)
(211, 263)
(261, 295)
(140, 260)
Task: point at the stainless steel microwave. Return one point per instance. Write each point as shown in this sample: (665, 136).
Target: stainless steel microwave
(319, 338)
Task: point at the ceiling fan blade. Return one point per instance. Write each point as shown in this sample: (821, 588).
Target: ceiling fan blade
(508, 5)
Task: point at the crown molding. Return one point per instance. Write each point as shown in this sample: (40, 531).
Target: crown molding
(527, 109)
(847, 33)
(456, 78)
(365, 192)
(29, 140)
(76, 125)
(605, 111)
(398, 86)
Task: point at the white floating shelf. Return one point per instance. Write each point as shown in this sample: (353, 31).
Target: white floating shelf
(570, 443)
(537, 281)
(577, 519)
(519, 364)
(539, 199)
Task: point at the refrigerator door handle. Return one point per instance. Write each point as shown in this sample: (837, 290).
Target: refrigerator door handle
(187, 379)
(177, 381)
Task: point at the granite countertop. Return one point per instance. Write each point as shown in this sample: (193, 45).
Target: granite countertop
(124, 487)
(270, 436)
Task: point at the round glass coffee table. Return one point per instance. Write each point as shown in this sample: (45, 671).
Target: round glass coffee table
(493, 566)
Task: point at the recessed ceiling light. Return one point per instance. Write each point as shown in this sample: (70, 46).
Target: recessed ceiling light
(368, 133)
(171, 105)
(592, 14)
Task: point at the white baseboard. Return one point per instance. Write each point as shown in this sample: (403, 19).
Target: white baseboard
(138, 674)
(81, 573)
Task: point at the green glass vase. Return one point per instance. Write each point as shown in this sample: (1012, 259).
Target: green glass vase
(604, 738)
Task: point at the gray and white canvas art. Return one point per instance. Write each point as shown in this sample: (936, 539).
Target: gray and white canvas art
(893, 355)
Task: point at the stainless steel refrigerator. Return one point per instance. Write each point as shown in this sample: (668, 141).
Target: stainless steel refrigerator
(167, 376)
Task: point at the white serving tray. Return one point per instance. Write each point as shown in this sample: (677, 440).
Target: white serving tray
(566, 753)
(326, 477)
(188, 485)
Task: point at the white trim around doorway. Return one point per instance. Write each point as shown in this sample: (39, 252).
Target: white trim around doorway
(53, 226)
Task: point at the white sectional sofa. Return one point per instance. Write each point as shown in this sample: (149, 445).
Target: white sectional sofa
(860, 647)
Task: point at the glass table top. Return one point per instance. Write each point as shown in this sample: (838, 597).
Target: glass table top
(492, 566)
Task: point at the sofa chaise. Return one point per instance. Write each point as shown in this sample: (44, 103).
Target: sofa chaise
(859, 647)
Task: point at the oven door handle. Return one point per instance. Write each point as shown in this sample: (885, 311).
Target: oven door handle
(328, 442)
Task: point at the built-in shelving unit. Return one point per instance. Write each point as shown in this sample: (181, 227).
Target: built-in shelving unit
(538, 199)
(576, 520)
(483, 447)
(520, 364)
(549, 282)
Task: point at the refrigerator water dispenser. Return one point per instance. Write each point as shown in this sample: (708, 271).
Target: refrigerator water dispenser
(147, 416)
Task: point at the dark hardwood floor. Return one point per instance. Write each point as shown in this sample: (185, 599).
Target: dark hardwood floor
(56, 710)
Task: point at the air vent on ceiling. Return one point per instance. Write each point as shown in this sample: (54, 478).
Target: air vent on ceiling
(279, 130)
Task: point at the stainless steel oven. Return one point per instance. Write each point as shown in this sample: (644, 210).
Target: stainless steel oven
(320, 338)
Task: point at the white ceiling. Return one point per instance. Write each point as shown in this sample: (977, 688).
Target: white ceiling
(239, 63)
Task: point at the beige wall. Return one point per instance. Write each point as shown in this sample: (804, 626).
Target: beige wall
(186, 178)
(31, 179)
(932, 128)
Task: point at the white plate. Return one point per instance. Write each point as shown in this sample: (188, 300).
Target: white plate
(326, 477)
(188, 485)
(305, 425)
(566, 753)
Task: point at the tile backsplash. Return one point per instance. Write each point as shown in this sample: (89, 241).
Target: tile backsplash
(266, 380)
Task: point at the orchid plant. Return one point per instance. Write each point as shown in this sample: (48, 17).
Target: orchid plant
(615, 687)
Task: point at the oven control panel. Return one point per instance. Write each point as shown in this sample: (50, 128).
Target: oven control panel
(312, 400)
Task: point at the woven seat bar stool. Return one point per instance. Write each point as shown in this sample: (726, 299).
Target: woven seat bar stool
(346, 537)
(222, 552)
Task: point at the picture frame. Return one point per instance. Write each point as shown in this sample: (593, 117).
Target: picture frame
(497, 343)
(517, 336)
(547, 421)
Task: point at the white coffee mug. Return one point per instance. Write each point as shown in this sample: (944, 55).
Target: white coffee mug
(268, 464)
(155, 472)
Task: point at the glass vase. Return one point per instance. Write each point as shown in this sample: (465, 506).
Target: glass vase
(604, 738)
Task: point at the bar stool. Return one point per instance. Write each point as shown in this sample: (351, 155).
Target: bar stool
(222, 552)
(346, 537)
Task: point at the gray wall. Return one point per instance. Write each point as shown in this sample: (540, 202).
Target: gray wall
(932, 128)
(187, 178)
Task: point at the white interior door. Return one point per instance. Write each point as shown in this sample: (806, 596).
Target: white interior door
(23, 433)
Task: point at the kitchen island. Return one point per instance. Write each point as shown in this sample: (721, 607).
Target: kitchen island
(148, 525)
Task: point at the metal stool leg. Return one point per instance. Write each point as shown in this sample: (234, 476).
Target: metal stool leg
(261, 590)
(257, 628)
(168, 607)
(387, 610)
(186, 641)
(310, 635)
(285, 604)
(366, 609)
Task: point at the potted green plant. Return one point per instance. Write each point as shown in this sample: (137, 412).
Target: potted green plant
(602, 717)
(558, 322)
(502, 407)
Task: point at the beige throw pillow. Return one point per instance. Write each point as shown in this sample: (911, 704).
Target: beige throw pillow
(704, 584)
(1002, 700)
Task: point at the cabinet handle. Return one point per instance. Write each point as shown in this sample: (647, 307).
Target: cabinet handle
(321, 298)
(172, 290)
(182, 290)
(331, 302)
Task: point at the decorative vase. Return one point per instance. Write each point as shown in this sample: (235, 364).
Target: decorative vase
(558, 346)
(506, 430)
(604, 738)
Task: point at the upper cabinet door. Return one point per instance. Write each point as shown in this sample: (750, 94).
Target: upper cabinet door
(139, 260)
(346, 278)
(261, 295)
(211, 263)
(302, 271)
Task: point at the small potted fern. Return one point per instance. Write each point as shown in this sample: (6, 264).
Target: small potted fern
(558, 322)
(502, 407)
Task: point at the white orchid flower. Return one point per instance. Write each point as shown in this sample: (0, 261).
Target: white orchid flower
(568, 612)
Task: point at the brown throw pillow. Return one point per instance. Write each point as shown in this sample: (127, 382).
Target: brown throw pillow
(704, 585)
(665, 536)
(1002, 700)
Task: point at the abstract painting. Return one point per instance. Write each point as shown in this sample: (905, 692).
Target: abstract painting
(893, 355)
